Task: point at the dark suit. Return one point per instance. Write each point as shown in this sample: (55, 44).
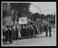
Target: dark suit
(46, 29)
(9, 35)
(16, 32)
(27, 32)
(50, 31)
(35, 30)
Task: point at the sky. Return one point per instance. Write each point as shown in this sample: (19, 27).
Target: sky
(43, 7)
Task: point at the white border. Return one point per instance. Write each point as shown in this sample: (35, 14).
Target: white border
(2, 20)
(17, 2)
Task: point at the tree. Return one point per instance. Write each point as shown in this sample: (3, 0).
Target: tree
(6, 10)
(42, 16)
(15, 10)
(20, 9)
(35, 16)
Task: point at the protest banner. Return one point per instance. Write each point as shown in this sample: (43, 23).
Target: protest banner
(23, 20)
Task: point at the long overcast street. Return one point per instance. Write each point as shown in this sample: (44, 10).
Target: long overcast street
(41, 40)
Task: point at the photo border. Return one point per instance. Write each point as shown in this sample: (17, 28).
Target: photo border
(23, 2)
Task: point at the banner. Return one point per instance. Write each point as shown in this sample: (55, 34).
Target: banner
(23, 20)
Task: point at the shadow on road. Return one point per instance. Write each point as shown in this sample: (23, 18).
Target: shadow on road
(33, 37)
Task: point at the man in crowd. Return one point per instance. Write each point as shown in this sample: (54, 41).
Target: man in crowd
(31, 30)
(35, 30)
(4, 33)
(40, 28)
(21, 30)
(27, 31)
(18, 33)
(46, 29)
(14, 32)
(49, 29)
(10, 35)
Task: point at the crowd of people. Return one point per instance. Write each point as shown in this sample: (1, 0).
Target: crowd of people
(17, 31)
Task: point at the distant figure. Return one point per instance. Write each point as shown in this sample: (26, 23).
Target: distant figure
(35, 30)
(14, 32)
(40, 28)
(10, 35)
(4, 33)
(31, 30)
(19, 34)
(46, 29)
(49, 30)
(17, 31)
(21, 30)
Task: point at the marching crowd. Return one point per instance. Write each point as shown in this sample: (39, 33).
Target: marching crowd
(17, 31)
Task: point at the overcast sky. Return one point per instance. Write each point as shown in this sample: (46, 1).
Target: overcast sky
(43, 7)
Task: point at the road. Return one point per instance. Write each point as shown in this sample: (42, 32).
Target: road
(41, 40)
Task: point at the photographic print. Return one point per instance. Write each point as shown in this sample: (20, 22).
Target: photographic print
(28, 23)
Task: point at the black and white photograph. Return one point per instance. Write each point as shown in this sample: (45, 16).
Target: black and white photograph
(28, 23)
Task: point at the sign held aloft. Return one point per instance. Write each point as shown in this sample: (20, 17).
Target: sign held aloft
(23, 20)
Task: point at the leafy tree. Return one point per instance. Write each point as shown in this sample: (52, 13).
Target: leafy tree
(35, 16)
(20, 10)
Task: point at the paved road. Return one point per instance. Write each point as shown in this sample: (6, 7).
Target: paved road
(41, 40)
